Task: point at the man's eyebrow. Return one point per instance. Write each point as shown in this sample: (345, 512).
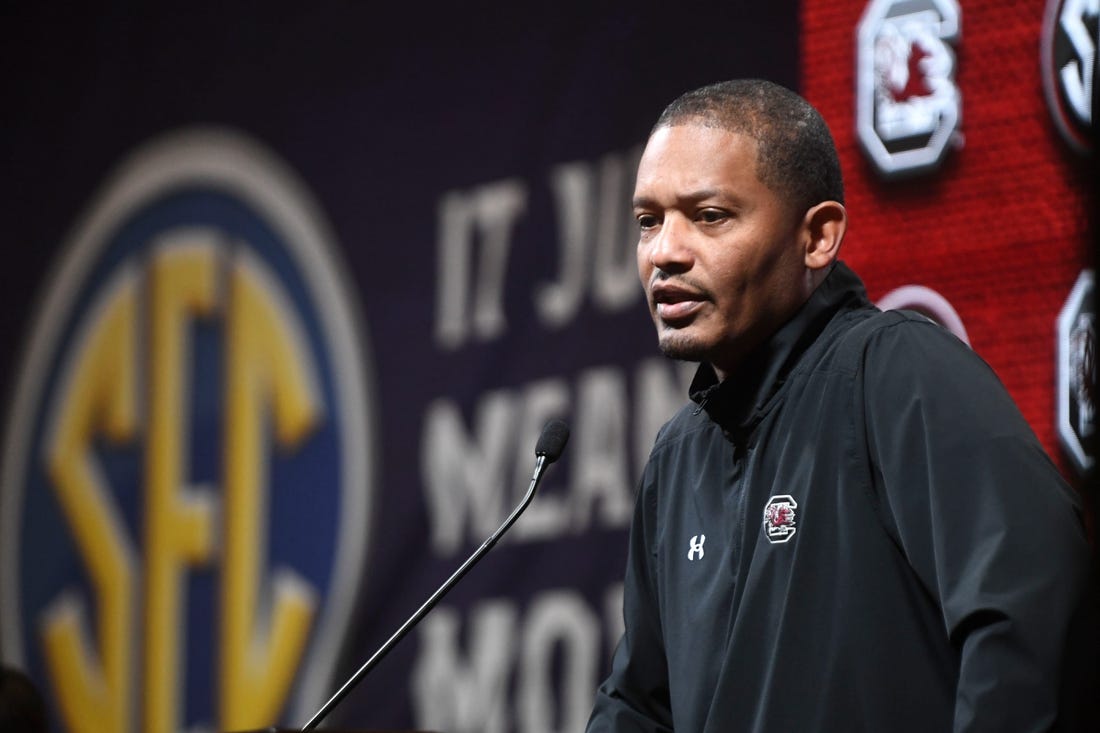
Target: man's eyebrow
(646, 202)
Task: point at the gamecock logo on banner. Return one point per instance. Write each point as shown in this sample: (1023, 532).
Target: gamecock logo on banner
(928, 303)
(187, 461)
(908, 107)
(1077, 373)
(1068, 61)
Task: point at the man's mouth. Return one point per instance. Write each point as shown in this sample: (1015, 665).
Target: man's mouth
(677, 311)
(674, 303)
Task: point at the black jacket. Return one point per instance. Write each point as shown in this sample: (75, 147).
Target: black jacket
(857, 531)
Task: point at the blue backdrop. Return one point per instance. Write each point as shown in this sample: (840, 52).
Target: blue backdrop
(466, 172)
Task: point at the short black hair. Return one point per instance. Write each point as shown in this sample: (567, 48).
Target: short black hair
(796, 155)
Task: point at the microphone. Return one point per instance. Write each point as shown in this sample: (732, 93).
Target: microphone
(549, 448)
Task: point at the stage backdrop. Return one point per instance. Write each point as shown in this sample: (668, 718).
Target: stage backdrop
(291, 289)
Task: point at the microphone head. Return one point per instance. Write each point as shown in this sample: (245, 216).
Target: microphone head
(552, 441)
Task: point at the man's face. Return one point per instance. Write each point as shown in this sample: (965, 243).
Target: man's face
(720, 254)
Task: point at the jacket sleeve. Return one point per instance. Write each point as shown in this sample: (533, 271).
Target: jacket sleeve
(987, 524)
(635, 696)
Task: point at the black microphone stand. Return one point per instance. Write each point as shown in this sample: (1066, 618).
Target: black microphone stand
(549, 448)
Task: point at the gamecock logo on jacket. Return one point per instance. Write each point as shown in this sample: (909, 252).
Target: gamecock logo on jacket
(779, 518)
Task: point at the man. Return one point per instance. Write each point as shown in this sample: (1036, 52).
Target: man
(852, 528)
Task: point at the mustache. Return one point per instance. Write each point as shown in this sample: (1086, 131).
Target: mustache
(680, 281)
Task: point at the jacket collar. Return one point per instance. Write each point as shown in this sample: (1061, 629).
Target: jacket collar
(737, 403)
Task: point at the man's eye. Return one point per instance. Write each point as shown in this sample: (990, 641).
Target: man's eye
(646, 221)
(711, 216)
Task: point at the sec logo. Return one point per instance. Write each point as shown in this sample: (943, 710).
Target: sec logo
(188, 460)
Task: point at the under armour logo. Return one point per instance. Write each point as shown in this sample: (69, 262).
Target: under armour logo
(696, 545)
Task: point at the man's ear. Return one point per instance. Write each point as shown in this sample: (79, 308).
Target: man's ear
(823, 228)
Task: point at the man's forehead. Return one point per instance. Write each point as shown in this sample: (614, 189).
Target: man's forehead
(694, 157)
(674, 144)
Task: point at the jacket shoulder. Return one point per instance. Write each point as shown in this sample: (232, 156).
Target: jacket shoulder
(891, 335)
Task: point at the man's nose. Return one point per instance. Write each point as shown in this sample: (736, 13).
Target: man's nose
(670, 249)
